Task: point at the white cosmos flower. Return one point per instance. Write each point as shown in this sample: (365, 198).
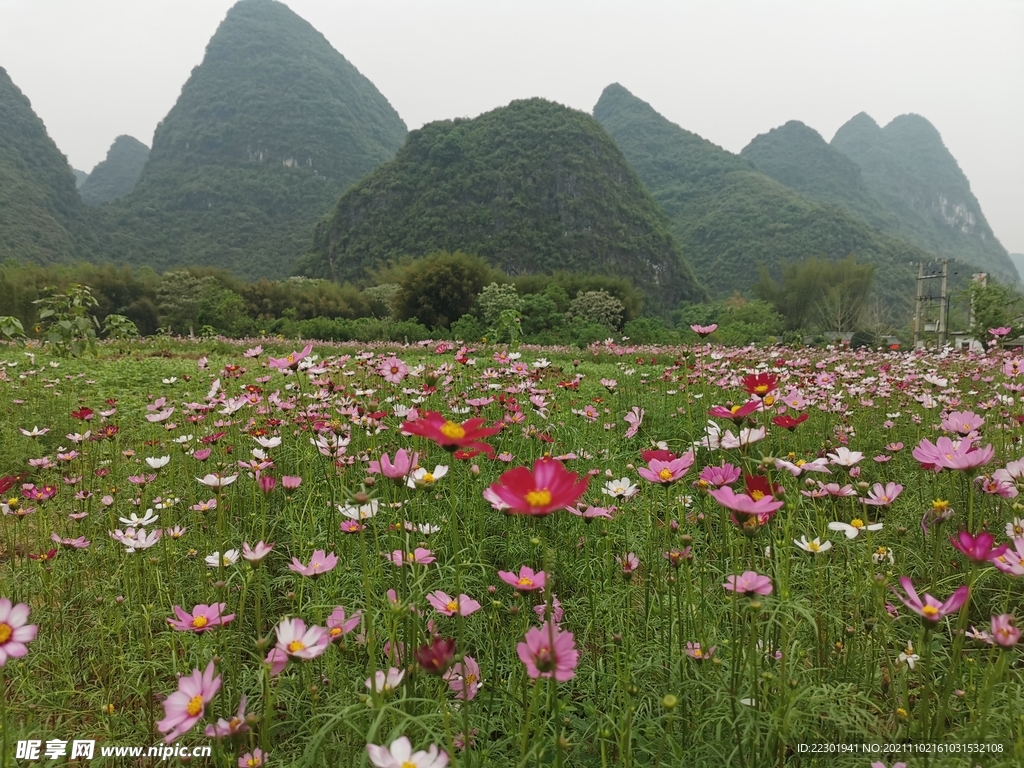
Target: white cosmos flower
(844, 457)
(181, 440)
(815, 546)
(421, 478)
(400, 755)
(217, 481)
(621, 488)
(269, 442)
(158, 462)
(230, 558)
(171, 380)
(908, 656)
(854, 527)
(35, 432)
(361, 512)
(138, 522)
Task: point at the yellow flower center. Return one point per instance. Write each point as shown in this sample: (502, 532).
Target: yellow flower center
(697, 653)
(929, 611)
(757, 495)
(665, 474)
(428, 478)
(813, 546)
(800, 462)
(881, 551)
(195, 706)
(452, 606)
(410, 556)
(199, 622)
(453, 430)
(539, 498)
(735, 408)
(1017, 530)
(702, 483)
(335, 631)
(291, 359)
(295, 646)
(471, 678)
(5, 632)
(408, 764)
(940, 505)
(769, 400)
(761, 389)
(253, 762)
(524, 582)
(856, 523)
(12, 502)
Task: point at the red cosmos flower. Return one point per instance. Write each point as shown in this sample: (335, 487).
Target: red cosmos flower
(549, 487)
(788, 422)
(6, 483)
(83, 413)
(760, 385)
(978, 549)
(451, 435)
(436, 658)
(660, 455)
(212, 439)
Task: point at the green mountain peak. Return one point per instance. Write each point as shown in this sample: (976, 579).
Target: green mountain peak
(116, 175)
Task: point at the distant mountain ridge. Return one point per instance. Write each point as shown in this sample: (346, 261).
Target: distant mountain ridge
(729, 217)
(116, 175)
(909, 170)
(534, 187)
(269, 129)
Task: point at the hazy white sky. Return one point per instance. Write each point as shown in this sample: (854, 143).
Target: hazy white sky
(726, 69)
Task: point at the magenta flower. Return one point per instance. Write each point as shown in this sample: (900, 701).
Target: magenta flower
(319, 564)
(15, 634)
(184, 708)
(541, 609)
(735, 413)
(463, 605)
(338, 626)
(404, 463)
(749, 583)
(930, 609)
(464, 678)
(418, 556)
(1004, 630)
(526, 581)
(978, 549)
(301, 642)
(545, 489)
(667, 472)
(202, 618)
(547, 651)
(629, 563)
(883, 495)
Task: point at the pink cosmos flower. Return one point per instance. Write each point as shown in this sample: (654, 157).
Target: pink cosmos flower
(385, 682)
(634, 418)
(549, 487)
(257, 553)
(202, 618)
(930, 609)
(418, 556)
(547, 651)
(704, 330)
(741, 503)
(254, 759)
(694, 651)
(292, 361)
(749, 583)
(290, 482)
(947, 454)
(464, 678)
(736, 413)
(79, 543)
(233, 727)
(556, 611)
(393, 370)
(301, 642)
(978, 549)
(15, 634)
(962, 422)
(277, 660)
(338, 626)
(319, 564)
(592, 512)
(716, 477)
(1004, 630)
(526, 581)
(404, 463)
(463, 605)
(629, 563)
(667, 472)
(400, 755)
(883, 495)
(184, 708)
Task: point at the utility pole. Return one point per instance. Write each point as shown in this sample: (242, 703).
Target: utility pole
(917, 304)
(943, 307)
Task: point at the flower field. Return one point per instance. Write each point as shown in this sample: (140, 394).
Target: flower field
(436, 555)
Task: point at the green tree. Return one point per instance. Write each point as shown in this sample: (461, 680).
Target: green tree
(437, 289)
(818, 292)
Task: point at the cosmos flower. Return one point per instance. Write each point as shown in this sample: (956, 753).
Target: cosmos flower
(623, 488)
(667, 472)
(883, 495)
(978, 549)
(385, 682)
(15, 632)
(815, 546)
(400, 755)
(202, 618)
(463, 605)
(319, 564)
(526, 581)
(547, 651)
(549, 487)
(928, 608)
(338, 625)
(854, 527)
(749, 583)
(451, 435)
(184, 708)
(301, 642)
(464, 678)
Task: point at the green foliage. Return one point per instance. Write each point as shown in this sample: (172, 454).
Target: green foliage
(541, 313)
(728, 217)
(993, 305)
(437, 289)
(533, 187)
(469, 328)
(68, 325)
(121, 330)
(117, 175)
(740, 321)
(495, 299)
(827, 295)
(12, 329)
(649, 330)
(382, 298)
(911, 172)
(597, 308)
